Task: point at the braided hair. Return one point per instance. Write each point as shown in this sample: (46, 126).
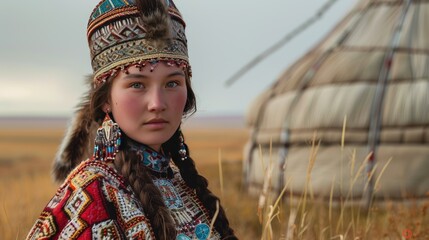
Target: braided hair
(152, 202)
(199, 183)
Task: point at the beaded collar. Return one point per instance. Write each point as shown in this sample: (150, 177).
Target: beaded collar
(155, 161)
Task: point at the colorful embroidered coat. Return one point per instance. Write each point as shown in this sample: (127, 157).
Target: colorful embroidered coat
(96, 203)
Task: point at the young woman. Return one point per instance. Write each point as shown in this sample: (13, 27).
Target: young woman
(140, 182)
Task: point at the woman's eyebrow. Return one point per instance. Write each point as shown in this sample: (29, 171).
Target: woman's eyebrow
(135, 75)
(142, 76)
(177, 73)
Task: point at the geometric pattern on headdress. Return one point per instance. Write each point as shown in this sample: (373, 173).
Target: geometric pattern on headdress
(117, 37)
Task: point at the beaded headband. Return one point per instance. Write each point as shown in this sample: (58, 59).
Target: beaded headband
(118, 37)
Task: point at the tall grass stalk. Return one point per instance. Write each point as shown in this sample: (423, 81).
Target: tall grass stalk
(265, 195)
(340, 236)
(271, 211)
(303, 227)
(274, 211)
(220, 174)
(350, 192)
(5, 218)
(261, 157)
(291, 224)
(323, 231)
(312, 160)
(381, 173)
(214, 219)
(352, 170)
(17, 234)
(330, 205)
(369, 203)
(267, 232)
(343, 134)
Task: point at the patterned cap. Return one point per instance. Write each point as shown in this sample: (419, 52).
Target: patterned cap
(119, 35)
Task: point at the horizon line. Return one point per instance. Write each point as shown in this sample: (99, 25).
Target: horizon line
(194, 121)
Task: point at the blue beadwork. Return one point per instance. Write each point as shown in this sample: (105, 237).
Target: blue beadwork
(109, 5)
(155, 161)
(151, 158)
(202, 231)
(182, 237)
(171, 198)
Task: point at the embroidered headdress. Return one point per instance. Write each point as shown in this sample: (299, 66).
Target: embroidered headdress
(125, 32)
(122, 33)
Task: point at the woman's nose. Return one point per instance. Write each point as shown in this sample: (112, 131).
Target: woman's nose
(157, 101)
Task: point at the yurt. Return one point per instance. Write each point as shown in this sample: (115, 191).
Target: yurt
(362, 95)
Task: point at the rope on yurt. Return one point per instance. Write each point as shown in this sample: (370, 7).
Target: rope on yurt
(295, 32)
(377, 103)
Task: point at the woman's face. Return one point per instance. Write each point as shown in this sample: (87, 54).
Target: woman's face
(148, 105)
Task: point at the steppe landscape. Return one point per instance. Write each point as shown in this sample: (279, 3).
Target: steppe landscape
(26, 186)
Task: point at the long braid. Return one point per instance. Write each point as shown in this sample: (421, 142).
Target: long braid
(141, 182)
(126, 162)
(195, 181)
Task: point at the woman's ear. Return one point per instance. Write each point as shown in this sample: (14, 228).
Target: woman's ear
(106, 107)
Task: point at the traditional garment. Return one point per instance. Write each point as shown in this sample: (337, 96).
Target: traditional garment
(95, 202)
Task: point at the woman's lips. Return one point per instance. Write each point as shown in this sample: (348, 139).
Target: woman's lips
(156, 123)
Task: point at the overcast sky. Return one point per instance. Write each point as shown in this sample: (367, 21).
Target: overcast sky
(44, 55)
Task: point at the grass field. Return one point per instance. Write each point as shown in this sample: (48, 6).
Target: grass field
(26, 186)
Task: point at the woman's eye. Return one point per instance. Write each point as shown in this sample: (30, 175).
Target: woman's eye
(137, 85)
(172, 84)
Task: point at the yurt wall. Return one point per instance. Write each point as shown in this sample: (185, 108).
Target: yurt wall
(378, 55)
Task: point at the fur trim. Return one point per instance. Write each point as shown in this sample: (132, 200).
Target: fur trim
(77, 143)
(155, 15)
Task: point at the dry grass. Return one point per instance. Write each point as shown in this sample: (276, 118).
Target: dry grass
(26, 186)
(312, 218)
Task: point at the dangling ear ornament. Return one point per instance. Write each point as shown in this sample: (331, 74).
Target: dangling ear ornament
(182, 151)
(107, 140)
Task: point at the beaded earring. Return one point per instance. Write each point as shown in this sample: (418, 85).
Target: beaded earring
(107, 140)
(182, 149)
